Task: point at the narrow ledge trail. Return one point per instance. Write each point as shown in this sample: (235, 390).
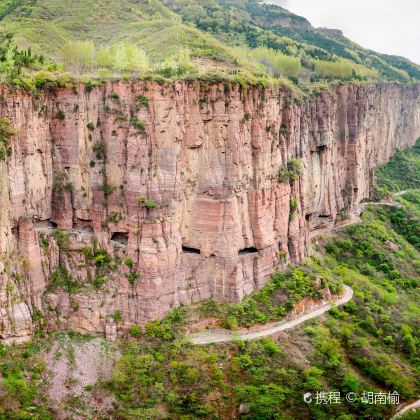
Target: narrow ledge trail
(224, 336)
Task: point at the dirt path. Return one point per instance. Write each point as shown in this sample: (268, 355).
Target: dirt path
(223, 336)
(414, 406)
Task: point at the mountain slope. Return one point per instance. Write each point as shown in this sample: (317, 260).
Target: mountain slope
(46, 25)
(264, 39)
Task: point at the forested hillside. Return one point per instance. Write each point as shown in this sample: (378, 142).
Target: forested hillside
(172, 39)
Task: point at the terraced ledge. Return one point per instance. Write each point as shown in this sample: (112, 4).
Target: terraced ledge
(224, 336)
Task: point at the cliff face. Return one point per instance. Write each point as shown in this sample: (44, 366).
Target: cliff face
(171, 194)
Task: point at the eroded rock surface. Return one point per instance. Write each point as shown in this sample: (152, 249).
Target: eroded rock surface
(171, 194)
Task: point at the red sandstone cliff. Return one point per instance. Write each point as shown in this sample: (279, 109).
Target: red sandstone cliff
(208, 157)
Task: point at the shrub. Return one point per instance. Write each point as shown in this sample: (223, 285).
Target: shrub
(61, 277)
(117, 316)
(90, 126)
(107, 189)
(231, 323)
(293, 208)
(100, 150)
(283, 175)
(99, 281)
(128, 262)
(5, 134)
(146, 203)
(295, 169)
(132, 276)
(143, 100)
(265, 400)
(135, 331)
(102, 258)
(139, 125)
(62, 237)
(159, 329)
(270, 346)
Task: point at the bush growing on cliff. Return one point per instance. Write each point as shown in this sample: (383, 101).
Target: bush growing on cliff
(135, 331)
(139, 125)
(107, 189)
(295, 169)
(147, 203)
(293, 208)
(6, 133)
(62, 278)
(62, 237)
(283, 175)
(132, 277)
(143, 100)
(100, 150)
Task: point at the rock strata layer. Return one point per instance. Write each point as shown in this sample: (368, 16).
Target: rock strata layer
(124, 201)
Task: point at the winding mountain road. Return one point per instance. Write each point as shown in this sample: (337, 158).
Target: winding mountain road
(404, 409)
(224, 336)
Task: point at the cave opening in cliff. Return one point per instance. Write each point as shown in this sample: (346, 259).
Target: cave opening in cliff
(189, 250)
(321, 148)
(247, 251)
(45, 224)
(120, 237)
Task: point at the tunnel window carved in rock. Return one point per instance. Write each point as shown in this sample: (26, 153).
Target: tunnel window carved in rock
(46, 224)
(189, 250)
(120, 237)
(248, 251)
(83, 226)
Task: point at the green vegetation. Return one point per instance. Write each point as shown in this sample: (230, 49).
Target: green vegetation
(295, 169)
(401, 173)
(107, 189)
(147, 203)
(276, 62)
(83, 55)
(283, 175)
(143, 100)
(62, 278)
(62, 238)
(99, 149)
(5, 135)
(23, 385)
(279, 296)
(139, 125)
(46, 44)
(135, 331)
